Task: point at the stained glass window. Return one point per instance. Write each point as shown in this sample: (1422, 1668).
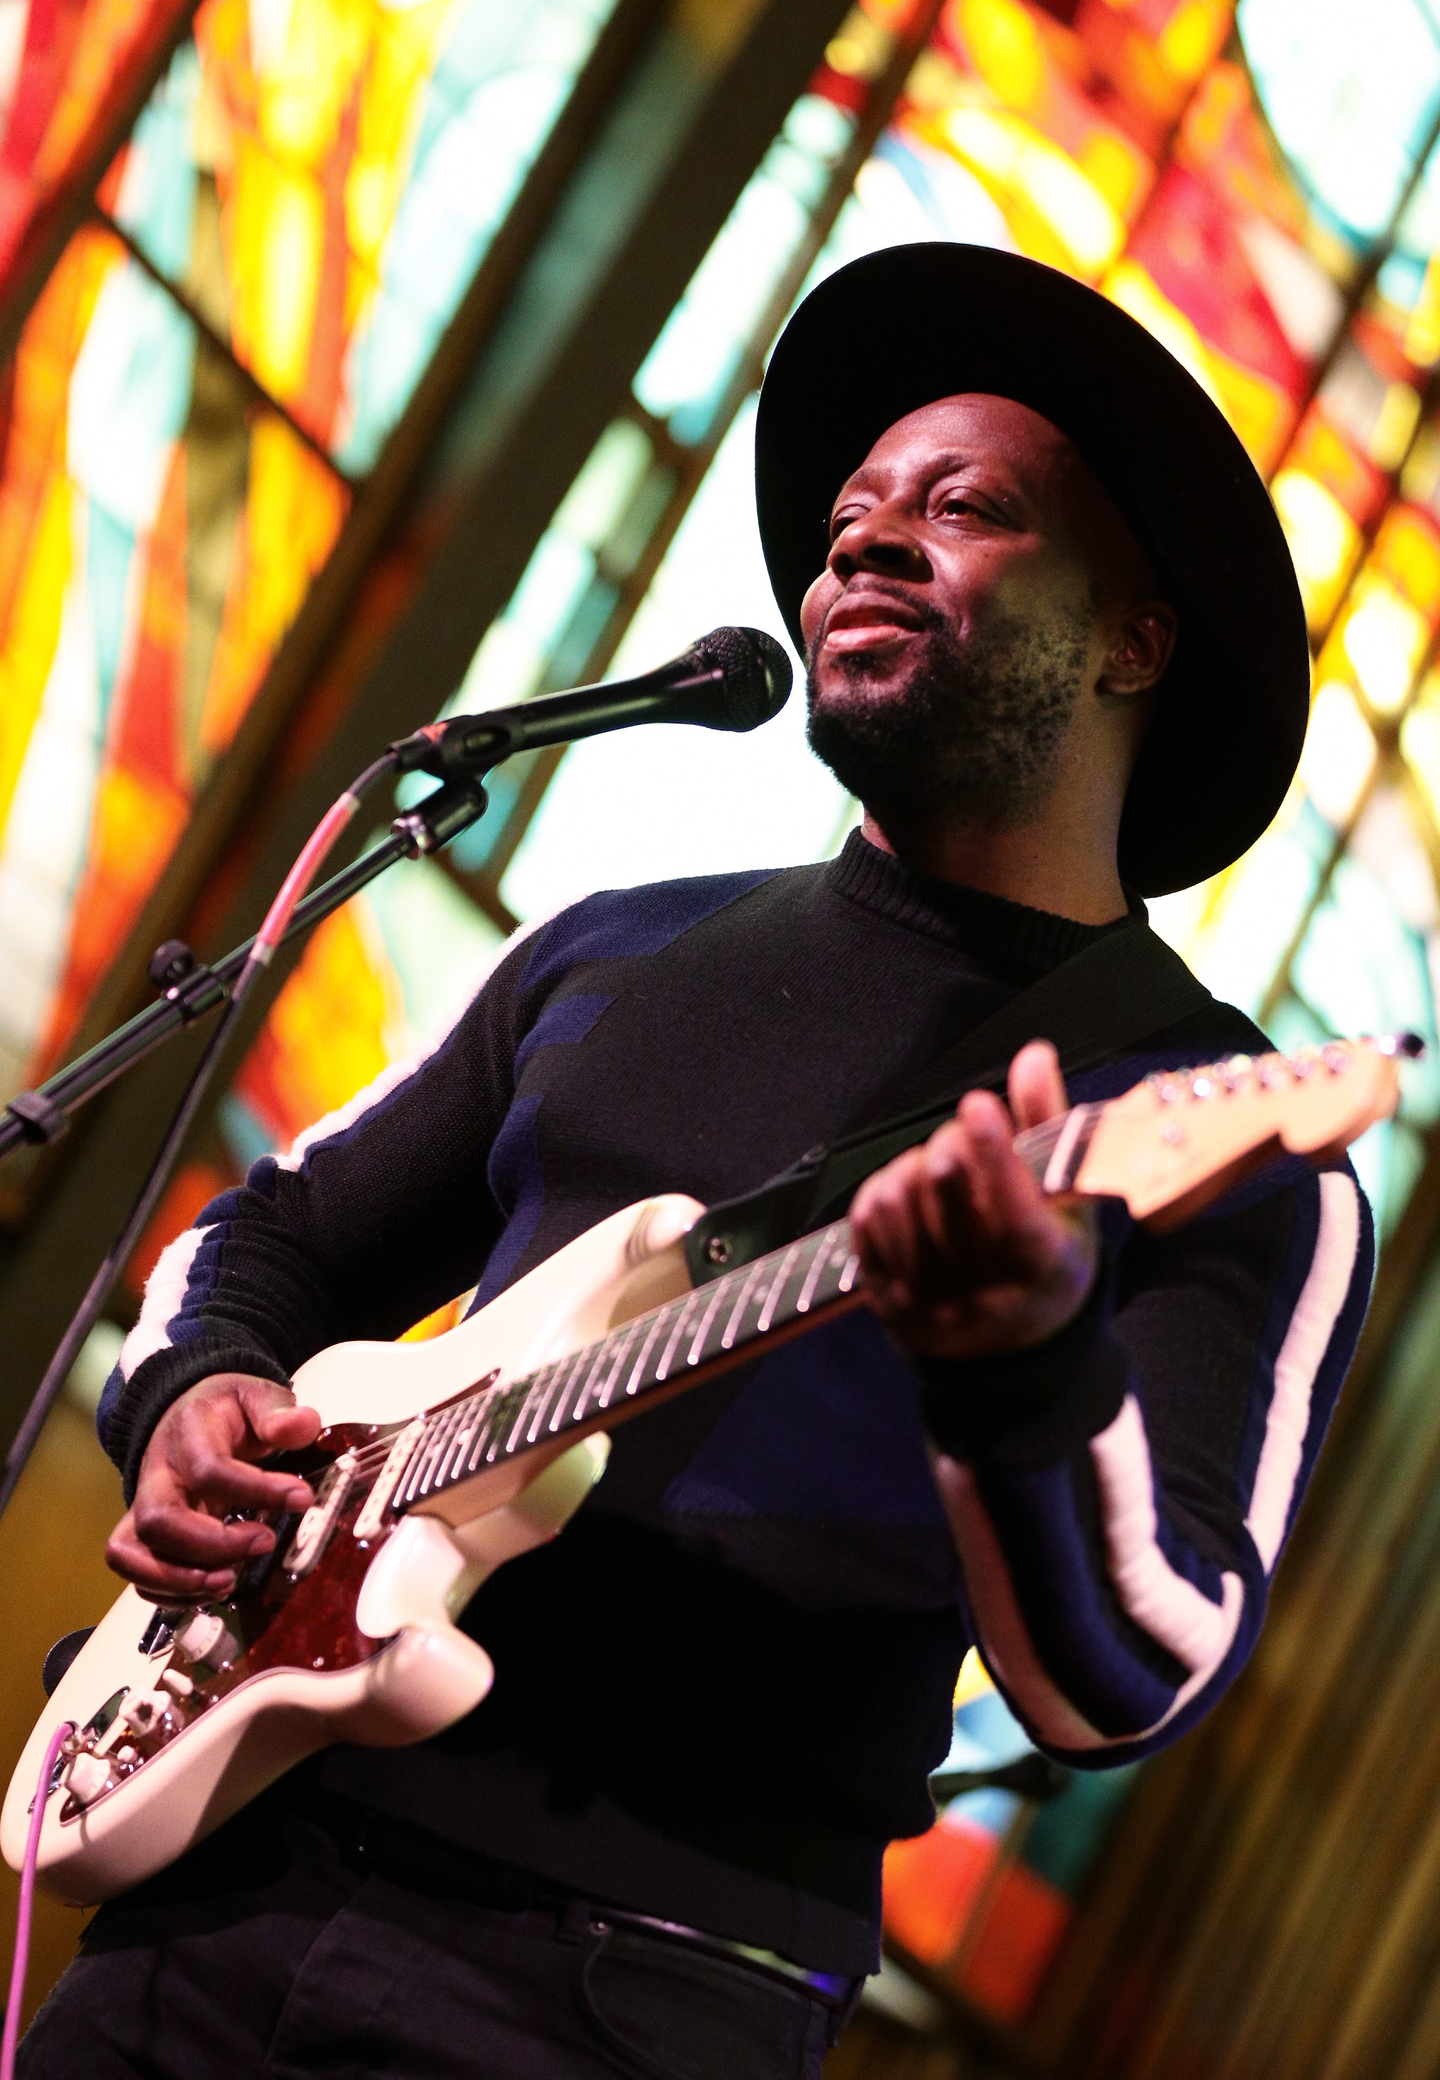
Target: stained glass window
(1261, 189)
(215, 361)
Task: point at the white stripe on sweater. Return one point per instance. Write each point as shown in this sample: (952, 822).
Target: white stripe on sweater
(1301, 1354)
(164, 1294)
(1173, 1611)
(1005, 1640)
(996, 1610)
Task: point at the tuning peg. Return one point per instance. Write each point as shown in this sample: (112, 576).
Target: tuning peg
(1408, 1046)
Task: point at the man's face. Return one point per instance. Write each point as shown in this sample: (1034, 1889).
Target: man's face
(956, 623)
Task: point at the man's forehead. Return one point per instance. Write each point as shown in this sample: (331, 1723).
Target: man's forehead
(972, 426)
(983, 421)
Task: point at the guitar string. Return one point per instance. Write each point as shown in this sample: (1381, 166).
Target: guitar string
(424, 1459)
(426, 1469)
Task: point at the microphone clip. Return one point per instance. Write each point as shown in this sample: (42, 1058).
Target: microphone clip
(467, 744)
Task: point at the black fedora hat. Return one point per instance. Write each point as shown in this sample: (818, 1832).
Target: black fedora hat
(900, 328)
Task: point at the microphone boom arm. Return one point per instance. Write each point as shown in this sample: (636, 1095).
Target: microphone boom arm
(42, 1115)
(475, 743)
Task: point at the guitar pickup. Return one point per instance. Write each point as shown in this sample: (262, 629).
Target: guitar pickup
(371, 1520)
(318, 1523)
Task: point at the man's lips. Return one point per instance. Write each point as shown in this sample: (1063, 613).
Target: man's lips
(866, 622)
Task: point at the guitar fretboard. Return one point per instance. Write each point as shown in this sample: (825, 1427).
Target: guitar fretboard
(728, 1315)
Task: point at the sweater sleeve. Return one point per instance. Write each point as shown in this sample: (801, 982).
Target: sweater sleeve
(1120, 1496)
(378, 1215)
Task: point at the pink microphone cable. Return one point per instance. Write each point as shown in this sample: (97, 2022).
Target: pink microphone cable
(21, 1962)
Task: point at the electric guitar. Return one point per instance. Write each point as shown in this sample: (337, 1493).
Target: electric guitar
(439, 1461)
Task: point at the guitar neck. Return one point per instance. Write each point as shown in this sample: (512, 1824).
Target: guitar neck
(702, 1332)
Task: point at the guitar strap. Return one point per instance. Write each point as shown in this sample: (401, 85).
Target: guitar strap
(1121, 989)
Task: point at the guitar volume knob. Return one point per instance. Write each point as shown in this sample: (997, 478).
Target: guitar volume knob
(206, 1637)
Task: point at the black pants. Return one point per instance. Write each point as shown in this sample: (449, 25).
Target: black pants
(267, 1951)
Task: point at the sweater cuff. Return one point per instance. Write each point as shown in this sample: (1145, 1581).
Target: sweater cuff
(163, 1378)
(1030, 1407)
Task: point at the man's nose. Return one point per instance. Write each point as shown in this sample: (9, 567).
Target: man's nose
(879, 541)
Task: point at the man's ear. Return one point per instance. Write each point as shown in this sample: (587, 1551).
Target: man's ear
(1141, 650)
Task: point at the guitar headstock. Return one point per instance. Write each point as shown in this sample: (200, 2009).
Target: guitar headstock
(1184, 1137)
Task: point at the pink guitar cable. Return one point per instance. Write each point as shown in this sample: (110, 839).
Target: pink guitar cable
(18, 1969)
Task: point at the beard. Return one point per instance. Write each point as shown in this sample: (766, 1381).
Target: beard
(969, 737)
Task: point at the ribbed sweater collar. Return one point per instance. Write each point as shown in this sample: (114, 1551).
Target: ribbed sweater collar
(989, 927)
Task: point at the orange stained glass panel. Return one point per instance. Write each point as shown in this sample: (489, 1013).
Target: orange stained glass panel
(325, 177)
(1407, 552)
(158, 534)
(931, 1884)
(1353, 481)
(74, 57)
(1024, 1922)
(192, 1187)
(332, 1030)
(1222, 133)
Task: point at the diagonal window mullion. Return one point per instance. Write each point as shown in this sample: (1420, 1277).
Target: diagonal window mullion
(218, 344)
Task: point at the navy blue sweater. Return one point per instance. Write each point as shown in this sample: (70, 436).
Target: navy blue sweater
(720, 1690)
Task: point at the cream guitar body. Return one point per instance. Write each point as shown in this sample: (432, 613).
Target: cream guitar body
(441, 1460)
(372, 1617)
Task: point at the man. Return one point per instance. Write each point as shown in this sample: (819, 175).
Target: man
(1053, 639)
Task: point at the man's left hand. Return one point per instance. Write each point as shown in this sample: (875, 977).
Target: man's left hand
(963, 1254)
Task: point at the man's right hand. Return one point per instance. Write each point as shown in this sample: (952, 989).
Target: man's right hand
(173, 1542)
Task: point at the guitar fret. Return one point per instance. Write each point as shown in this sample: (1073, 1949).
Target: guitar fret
(451, 1429)
(453, 1465)
(698, 1343)
(410, 1471)
(424, 1458)
(462, 1422)
(548, 1380)
(558, 1372)
(772, 1298)
(503, 1408)
(621, 1354)
(397, 1493)
(501, 1420)
(519, 1423)
(731, 1327)
(490, 1403)
(557, 1415)
(812, 1276)
(663, 1367)
(656, 1326)
(409, 1488)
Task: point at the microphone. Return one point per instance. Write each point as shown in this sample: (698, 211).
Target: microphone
(734, 678)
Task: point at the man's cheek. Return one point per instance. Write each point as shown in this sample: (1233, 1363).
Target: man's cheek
(814, 607)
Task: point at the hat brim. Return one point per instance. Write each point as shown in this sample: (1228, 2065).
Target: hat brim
(900, 328)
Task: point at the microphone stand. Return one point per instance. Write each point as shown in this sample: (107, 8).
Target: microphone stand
(192, 989)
